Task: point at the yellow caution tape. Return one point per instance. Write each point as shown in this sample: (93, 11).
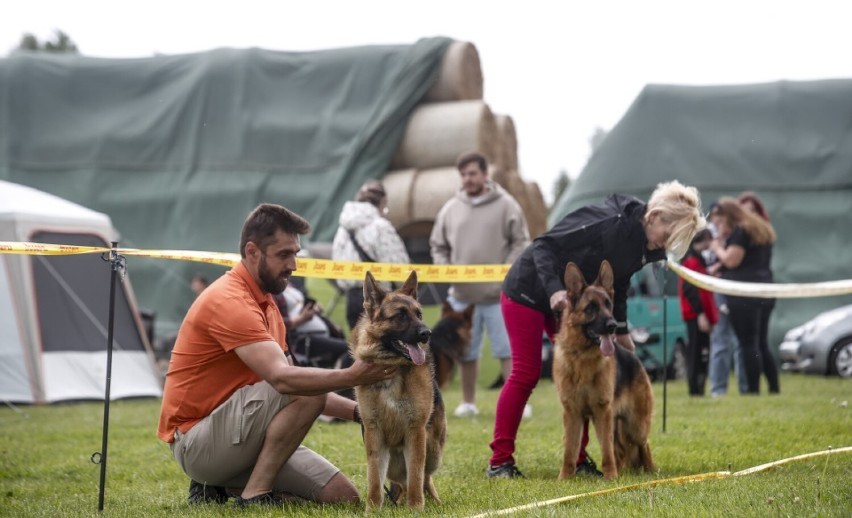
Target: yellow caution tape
(329, 269)
(603, 492)
(305, 267)
(654, 483)
(761, 290)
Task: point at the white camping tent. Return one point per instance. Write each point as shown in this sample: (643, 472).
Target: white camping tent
(54, 310)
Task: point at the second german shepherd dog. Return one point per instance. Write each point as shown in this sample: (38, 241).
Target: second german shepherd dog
(450, 341)
(598, 380)
(405, 427)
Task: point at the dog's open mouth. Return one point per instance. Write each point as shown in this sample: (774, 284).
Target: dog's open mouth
(604, 341)
(413, 351)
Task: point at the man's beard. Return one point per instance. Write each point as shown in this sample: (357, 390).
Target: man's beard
(268, 282)
(480, 190)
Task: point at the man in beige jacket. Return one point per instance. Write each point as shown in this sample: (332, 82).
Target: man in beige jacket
(482, 224)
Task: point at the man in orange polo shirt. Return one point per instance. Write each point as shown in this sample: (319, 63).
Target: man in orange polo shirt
(235, 407)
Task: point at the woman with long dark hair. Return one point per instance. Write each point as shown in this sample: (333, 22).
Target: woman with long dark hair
(744, 248)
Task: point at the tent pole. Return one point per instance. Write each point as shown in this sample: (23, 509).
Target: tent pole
(665, 348)
(117, 264)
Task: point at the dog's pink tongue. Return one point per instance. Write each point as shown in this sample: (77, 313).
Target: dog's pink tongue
(607, 347)
(418, 356)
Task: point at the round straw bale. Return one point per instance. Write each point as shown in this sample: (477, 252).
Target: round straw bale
(508, 142)
(460, 78)
(438, 133)
(537, 217)
(433, 188)
(416, 196)
(398, 186)
(499, 175)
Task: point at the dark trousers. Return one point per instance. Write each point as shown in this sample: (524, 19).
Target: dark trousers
(320, 351)
(751, 325)
(354, 305)
(697, 358)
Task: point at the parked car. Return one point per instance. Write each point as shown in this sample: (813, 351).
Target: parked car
(822, 345)
(646, 303)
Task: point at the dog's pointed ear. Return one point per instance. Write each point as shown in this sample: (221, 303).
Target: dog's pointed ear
(410, 286)
(446, 309)
(373, 295)
(606, 278)
(575, 283)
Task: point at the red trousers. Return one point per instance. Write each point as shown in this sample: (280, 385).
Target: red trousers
(525, 327)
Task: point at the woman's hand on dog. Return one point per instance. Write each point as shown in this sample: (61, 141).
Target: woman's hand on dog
(625, 341)
(559, 301)
(368, 373)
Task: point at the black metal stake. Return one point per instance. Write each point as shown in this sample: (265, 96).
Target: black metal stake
(117, 264)
(665, 348)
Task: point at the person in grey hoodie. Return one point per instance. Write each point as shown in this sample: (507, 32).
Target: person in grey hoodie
(482, 224)
(364, 221)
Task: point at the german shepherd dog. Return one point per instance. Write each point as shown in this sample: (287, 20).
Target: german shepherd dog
(405, 427)
(597, 380)
(450, 341)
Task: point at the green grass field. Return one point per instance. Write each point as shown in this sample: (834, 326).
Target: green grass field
(45, 468)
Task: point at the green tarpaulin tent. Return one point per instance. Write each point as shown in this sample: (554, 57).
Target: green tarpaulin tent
(790, 142)
(178, 149)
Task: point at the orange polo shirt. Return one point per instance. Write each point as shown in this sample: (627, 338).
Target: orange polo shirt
(204, 370)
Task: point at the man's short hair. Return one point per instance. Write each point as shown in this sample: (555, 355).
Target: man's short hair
(267, 219)
(473, 156)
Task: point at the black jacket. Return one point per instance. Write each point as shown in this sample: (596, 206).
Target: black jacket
(612, 230)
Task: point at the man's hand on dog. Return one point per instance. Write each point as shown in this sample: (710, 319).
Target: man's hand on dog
(369, 373)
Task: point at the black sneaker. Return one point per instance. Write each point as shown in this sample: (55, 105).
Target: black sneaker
(267, 499)
(497, 383)
(203, 494)
(588, 467)
(505, 470)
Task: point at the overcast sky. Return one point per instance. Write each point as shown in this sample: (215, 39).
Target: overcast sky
(560, 69)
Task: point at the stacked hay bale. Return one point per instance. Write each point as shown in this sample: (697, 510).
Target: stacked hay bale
(451, 120)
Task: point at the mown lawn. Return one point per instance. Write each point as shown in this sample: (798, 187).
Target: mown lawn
(45, 468)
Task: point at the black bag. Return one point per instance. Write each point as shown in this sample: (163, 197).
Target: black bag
(365, 257)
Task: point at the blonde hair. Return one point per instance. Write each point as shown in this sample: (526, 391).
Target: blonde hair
(732, 211)
(679, 205)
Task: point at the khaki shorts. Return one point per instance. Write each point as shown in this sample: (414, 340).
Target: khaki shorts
(222, 448)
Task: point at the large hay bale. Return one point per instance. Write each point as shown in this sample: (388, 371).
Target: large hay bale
(507, 154)
(537, 217)
(437, 133)
(460, 78)
(416, 196)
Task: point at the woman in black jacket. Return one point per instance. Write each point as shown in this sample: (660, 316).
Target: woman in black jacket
(622, 230)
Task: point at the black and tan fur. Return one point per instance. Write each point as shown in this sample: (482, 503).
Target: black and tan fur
(450, 341)
(613, 391)
(405, 427)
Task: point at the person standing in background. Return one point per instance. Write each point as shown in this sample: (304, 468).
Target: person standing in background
(365, 235)
(746, 255)
(699, 313)
(481, 224)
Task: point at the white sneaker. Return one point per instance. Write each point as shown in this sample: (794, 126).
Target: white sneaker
(527, 411)
(466, 410)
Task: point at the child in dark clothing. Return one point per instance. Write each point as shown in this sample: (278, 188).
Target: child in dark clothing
(700, 314)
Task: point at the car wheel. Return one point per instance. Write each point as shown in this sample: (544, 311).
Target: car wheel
(840, 359)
